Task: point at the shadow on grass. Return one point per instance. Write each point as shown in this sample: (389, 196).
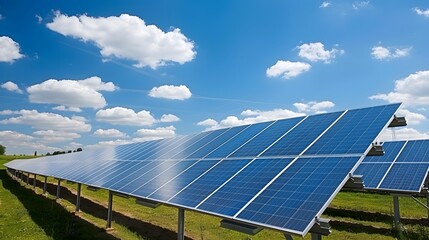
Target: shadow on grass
(143, 229)
(55, 221)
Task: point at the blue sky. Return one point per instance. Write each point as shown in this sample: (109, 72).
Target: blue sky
(97, 73)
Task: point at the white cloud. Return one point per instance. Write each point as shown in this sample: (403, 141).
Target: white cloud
(411, 117)
(19, 143)
(110, 143)
(314, 107)
(422, 12)
(169, 118)
(71, 95)
(406, 133)
(127, 37)
(383, 53)
(52, 136)
(67, 109)
(8, 112)
(325, 5)
(360, 4)
(9, 50)
(157, 133)
(171, 92)
(412, 90)
(11, 86)
(49, 121)
(125, 116)
(39, 18)
(316, 52)
(250, 116)
(287, 69)
(109, 133)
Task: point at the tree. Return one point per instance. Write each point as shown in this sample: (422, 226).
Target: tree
(2, 149)
(79, 150)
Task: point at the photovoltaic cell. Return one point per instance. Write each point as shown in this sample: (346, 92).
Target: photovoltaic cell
(300, 137)
(294, 199)
(228, 201)
(193, 194)
(372, 173)
(406, 177)
(415, 151)
(266, 138)
(353, 131)
(391, 150)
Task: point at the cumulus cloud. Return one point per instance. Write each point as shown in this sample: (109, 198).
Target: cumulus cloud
(157, 133)
(406, 133)
(49, 121)
(110, 143)
(39, 18)
(9, 50)
(19, 143)
(71, 95)
(109, 133)
(383, 53)
(422, 12)
(412, 90)
(11, 86)
(67, 109)
(169, 118)
(52, 136)
(127, 37)
(250, 116)
(8, 112)
(316, 52)
(314, 107)
(171, 92)
(411, 117)
(287, 69)
(325, 5)
(360, 4)
(125, 116)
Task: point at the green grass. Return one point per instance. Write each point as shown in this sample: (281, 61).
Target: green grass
(29, 215)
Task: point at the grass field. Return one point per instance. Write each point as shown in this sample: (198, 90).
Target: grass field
(27, 214)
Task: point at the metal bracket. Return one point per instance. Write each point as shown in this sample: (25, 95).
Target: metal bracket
(147, 203)
(376, 150)
(321, 227)
(398, 122)
(121, 195)
(91, 188)
(240, 227)
(354, 182)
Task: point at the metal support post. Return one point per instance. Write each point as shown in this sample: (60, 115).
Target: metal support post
(45, 185)
(396, 213)
(288, 236)
(79, 186)
(58, 189)
(181, 224)
(315, 236)
(427, 202)
(28, 178)
(22, 177)
(34, 181)
(109, 211)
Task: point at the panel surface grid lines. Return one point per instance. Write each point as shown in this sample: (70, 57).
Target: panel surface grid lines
(116, 175)
(266, 138)
(171, 188)
(112, 171)
(154, 148)
(135, 183)
(193, 194)
(150, 186)
(133, 153)
(416, 151)
(406, 177)
(294, 199)
(165, 149)
(354, 132)
(391, 150)
(372, 173)
(206, 140)
(200, 153)
(231, 197)
(182, 146)
(238, 140)
(303, 135)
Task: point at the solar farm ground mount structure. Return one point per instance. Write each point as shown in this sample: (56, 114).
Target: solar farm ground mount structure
(279, 174)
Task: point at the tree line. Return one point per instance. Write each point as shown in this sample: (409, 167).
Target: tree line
(3, 151)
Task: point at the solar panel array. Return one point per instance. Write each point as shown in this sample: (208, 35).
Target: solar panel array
(279, 174)
(403, 168)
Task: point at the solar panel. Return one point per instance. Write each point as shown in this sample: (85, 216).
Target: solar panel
(280, 174)
(403, 168)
